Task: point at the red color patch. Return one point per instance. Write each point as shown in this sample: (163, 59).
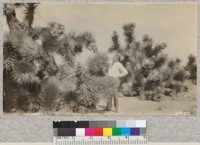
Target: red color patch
(98, 131)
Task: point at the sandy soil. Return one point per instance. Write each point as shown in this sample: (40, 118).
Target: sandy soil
(182, 104)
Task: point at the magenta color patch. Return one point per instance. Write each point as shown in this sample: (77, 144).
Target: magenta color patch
(89, 131)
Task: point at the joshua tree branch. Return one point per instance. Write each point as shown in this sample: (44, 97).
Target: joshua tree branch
(29, 14)
(12, 21)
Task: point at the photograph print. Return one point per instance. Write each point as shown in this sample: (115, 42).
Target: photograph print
(100, 59)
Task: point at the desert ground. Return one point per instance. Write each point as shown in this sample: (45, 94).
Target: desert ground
(183, 103)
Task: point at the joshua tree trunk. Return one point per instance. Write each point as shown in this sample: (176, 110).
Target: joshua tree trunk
(13, 23)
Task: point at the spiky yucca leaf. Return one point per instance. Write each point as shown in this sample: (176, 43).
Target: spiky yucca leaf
(29, 49)
(9, 58)
(160, 61)
(24, 73)
(87, 39)
(8, 62)
(67, 49)
(24, 78)
(147, 46)
(34, 104)
(92, 87)
(24, 66)
(68, 87)
(67, 84)
(98, 64)
(65, 71)
(158, 48)
(12, 41)
(107, 85)
(50, 96)
(86, 90)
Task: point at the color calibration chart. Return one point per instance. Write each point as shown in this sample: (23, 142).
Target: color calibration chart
(121, 132)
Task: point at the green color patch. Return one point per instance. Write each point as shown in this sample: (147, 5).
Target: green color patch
(116, 131)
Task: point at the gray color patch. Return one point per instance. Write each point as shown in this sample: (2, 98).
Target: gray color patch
(143, 131)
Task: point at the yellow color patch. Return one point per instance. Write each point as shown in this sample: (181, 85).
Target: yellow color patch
(107, 131)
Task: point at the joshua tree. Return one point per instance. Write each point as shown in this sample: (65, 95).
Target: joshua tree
(29, 62)
(191, 68)
(147, 64)
(93, 83)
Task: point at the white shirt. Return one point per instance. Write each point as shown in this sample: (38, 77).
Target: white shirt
(117, 70)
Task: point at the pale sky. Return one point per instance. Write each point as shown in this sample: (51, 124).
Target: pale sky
(172, 23)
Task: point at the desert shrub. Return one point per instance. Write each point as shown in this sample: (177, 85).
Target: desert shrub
(191, 66)
(167, 74)
(179, 75)
(171, 64)
(178, 87)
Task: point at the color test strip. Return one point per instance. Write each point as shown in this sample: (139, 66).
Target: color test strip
(100, 124)
(99, 131)
(100, 128)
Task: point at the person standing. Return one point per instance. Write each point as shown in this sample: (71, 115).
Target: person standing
(116, 70)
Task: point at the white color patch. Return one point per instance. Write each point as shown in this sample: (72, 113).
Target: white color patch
(141, 123)
(80, 132)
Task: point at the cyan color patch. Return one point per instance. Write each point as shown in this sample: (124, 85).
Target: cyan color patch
(125, 131)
